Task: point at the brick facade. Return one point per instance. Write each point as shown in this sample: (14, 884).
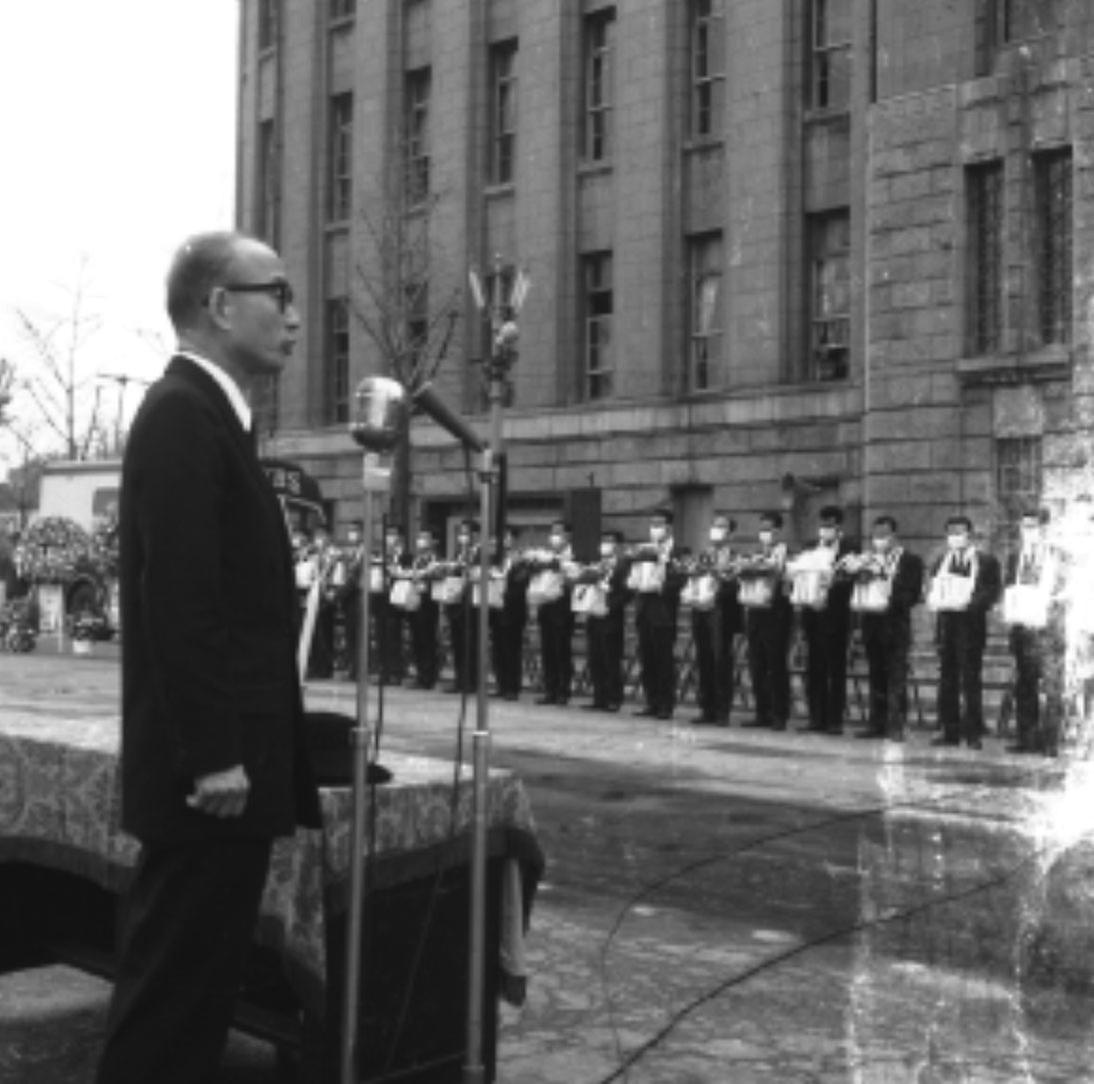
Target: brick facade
(913, 427)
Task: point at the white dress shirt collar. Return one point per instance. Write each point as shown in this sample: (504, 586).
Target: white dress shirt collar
(227, 385)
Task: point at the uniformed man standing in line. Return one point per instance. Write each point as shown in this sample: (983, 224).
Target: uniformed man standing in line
(556, 621)
(895, 577)
(508, 622)
(762, 593)
(1038, 648)
(962, 632)
(423, 620)
(348, 597)
(826, 625)
(605, 631)
(714, 629)
(656, 613)
(390, 617)
(462, 628)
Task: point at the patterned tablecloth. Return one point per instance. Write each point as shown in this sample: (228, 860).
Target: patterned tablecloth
(60, 805)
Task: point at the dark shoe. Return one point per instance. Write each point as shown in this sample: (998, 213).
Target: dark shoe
(1019, 747)
(701, 720)
(895, 735)
(721, 720)
(869, 735)
(613, 707)
(943, 740)
(664, 715)
(809, 728)
(453, 688)
(834, 730)
(644, 713)
(780, 725)
(975, 743)
(544, 700)
(594, 706)
(754, 724)
(562, 701)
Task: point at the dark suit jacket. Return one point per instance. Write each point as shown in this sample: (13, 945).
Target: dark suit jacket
(209, 609)
(907, 585)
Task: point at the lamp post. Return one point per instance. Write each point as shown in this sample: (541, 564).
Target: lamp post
(504, 334)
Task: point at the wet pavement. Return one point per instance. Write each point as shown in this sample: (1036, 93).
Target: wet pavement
(724, 906)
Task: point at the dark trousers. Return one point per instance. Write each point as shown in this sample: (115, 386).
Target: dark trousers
(713, 636)
(556, 632)
(390, 635)
(768, 646)
(189, 918)
(605, 636)
(321, 657)
(961, 661)
(464, 636)
(507, 651)
(423, 636)
(656, 646)
(826, 633)
(887, 640)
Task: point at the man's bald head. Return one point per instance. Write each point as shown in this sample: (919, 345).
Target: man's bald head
(201, 262)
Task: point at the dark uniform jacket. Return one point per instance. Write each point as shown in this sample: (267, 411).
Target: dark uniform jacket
(208, 602)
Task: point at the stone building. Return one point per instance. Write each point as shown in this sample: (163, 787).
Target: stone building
(782, 252)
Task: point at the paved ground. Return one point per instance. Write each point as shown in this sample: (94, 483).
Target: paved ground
(728, 906)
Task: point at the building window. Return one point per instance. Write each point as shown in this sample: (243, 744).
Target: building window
(340, 187)
(829, 240)
(503, 111)
(336, 373)
(831, 33)
(599, 41)
(269, 13)
(1052, 185)
(416, 309)
(984, 210)
(342, 9)
(416, 134)
(705, 321)
(268, 185)
(597, 353)
(708, 73)
(1017, 480)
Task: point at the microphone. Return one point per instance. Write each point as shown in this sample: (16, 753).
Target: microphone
(429, 402)
(379, 411)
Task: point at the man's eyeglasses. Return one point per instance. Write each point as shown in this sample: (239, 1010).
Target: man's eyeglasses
(279, 288)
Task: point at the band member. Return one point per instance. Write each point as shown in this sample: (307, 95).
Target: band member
(321, 659)
(1036, 639)
(348, 596)
(556, 619)
(965, 584)
(769, 618)
(462, 629)
(508, 621)
(656, 607)
(390, 617)
(605, 628)
(713, 628)
(887, 584)
(826, 622)
(423, 620)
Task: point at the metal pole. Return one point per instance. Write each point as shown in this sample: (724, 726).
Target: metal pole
(374, 481)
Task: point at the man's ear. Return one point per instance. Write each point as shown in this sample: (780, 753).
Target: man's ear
(218, 305)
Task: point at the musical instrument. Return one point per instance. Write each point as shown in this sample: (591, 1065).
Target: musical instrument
(811, 574)
(948, 593)
(649, 566)
(759, 575)
(706, 573)
(1026, 604)
(590, 595)
(871, 575)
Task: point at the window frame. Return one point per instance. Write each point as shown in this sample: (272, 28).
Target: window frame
(829, 353)
(984, 193)
(418, 89)
(706, 346)
(267, 217)
(504, 107)
(597, 317)
(336, 358)
(822, 54)
(598, 85)
(1022, 458)
(341, 11)
(269, 24)
(1053, 187)
(706, 69)
(340, 158)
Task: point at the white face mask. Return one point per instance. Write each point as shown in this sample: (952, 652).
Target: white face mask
(717, 534)
(424, 544)
(1031, 535)
(827, 535)
(463, 541)
(557, 541)
(607, 549)
(957, 541)
(767, 537)
(657, 534)
(883, 545)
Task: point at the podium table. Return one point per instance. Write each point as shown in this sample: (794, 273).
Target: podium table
(64, 863)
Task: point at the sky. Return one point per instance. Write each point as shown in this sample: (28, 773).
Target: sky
(117, 121)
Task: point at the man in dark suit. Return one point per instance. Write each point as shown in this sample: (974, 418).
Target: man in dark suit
(655, 616)
(962, 635)
(606, 631)
(462, 627)
(213, 764)
(556, 621)
(887, 632)
(423, 621)
(713, 630)
(508, 622)
(827, 627)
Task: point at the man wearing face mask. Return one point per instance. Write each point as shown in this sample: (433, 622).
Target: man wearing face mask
(389, 617)
(462, 626)
(556, 622)
(508, 622)
(975, 584)
(887, 630)
(714, 629)
(605, 631)
(348, 596)
(423, 620)
(827, 626)
(769, 621)
(1038, 649)
(655, 615)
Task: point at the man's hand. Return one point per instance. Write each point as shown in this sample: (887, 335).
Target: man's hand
(221, 794)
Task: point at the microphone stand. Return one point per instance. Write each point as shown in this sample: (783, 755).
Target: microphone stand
(375, 481)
